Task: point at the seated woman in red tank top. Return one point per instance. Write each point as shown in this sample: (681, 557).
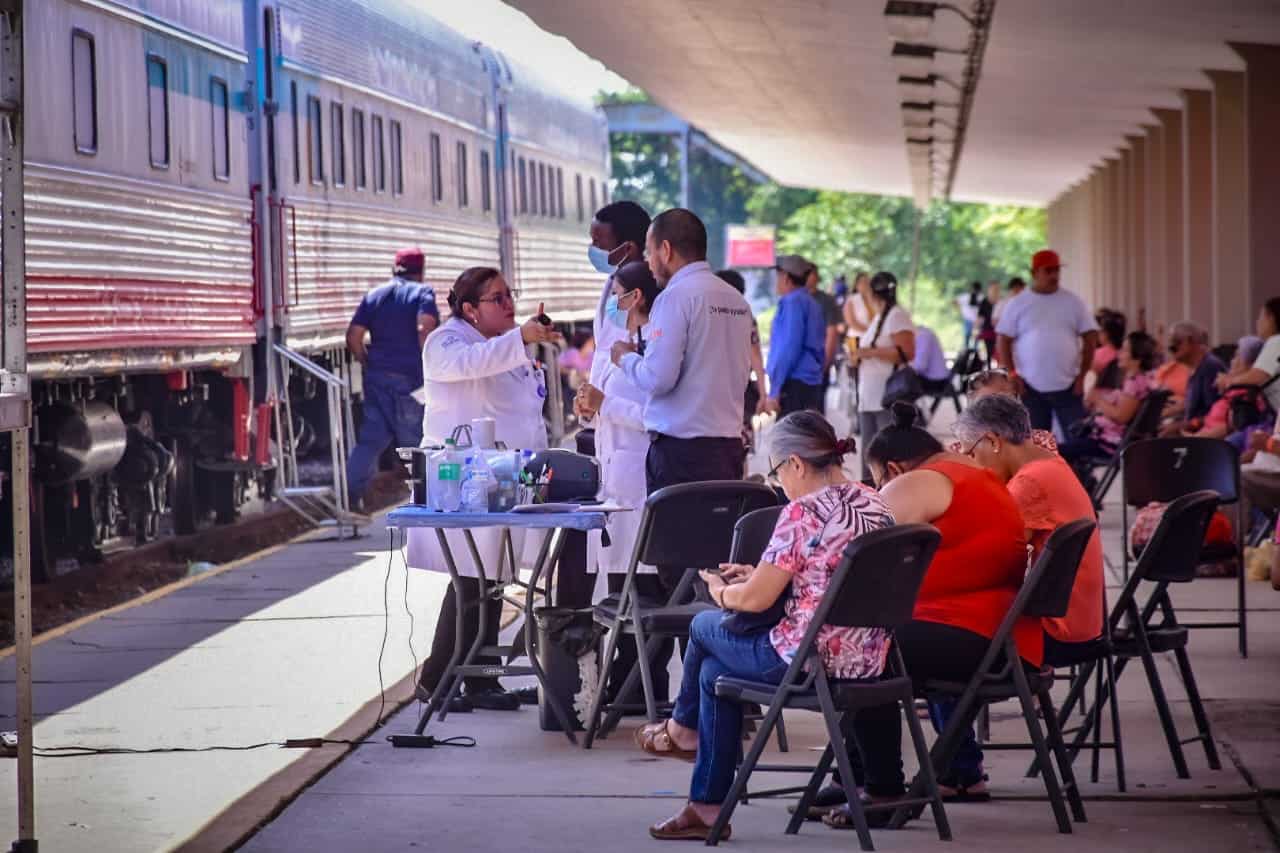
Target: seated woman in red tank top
(966, 593)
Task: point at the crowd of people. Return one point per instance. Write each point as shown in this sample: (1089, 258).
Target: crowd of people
(672, 367)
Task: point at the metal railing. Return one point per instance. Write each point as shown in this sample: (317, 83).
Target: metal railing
(327, 505)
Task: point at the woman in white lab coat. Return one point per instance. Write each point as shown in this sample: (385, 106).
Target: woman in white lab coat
(476, 366)
(616, 409)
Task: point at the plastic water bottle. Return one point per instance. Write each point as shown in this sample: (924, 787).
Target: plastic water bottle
(477, 482)
(444, 479)
(503, 464)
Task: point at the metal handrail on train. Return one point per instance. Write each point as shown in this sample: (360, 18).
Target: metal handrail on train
(327, 506)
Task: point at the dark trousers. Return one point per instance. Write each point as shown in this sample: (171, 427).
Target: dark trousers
(390, 418)
(446, 634)
(1043, 406)
(931, 651)
(797, 396)
(669, 462)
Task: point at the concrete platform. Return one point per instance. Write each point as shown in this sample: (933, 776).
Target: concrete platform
(526, 789)
(282, 646)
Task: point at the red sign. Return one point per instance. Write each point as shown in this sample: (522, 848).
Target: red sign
(749, 245)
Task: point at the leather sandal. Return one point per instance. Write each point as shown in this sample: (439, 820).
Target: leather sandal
(686, 826)
(656, 740)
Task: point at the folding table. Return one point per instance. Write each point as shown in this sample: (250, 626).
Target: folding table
(461, 665)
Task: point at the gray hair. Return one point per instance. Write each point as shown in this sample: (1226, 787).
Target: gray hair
(1188, 331)
(996, 414)
(1248, 348)
(811, 437)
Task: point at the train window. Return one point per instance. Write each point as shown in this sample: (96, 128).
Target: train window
(577, 182)
(315, 140)
(437, 169)
(84, 93)
(297, 146)
(560, 191)
(357, 149)
(158, 111)
(593, 195)
(524, 188)
(379, 157)
(218, 97)
(542, 188)
(463, 199)
(397, 162)
(486, 190)
(338, 133)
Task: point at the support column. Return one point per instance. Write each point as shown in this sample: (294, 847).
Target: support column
(1097, 270)
(1107, 230)
(1137, 225)
(1171, 285)
(1124, 280)
(1197, 207)
(1230, 209)
(1262, 129)
(1153, 301)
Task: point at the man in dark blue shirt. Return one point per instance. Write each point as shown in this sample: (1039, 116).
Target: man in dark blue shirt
(797, 341)
(396, 317)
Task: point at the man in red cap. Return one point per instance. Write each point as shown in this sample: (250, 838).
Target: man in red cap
(396, 317)
(1046, 336)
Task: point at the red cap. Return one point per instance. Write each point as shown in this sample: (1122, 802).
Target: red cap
(410, 261)
(1044, 258)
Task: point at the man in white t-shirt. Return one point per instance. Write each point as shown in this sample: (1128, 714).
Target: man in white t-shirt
(1047, 336)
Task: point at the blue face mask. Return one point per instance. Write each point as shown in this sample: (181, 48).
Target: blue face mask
(614, 314)
(600, 260)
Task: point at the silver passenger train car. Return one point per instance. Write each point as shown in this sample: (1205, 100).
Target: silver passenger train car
(208, 178)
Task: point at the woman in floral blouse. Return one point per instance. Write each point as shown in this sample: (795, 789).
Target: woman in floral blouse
(826, 512)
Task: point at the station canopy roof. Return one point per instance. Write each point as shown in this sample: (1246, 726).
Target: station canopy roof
(807, 90)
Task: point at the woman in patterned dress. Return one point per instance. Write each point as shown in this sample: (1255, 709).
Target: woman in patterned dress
(827, 511)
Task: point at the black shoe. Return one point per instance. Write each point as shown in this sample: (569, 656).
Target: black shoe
(457, 705)
(527, 695)
(493, 700)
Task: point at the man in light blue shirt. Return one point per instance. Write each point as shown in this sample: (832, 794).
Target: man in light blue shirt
(797, 341)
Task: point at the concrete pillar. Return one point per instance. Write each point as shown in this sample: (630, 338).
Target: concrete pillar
(1262, 130)
(1124, 279)
(1097, 214)
(1106, 230)
(1170, 298)
(1137, 224)
(1153, 295)
(1197, 207)
(1230, 209)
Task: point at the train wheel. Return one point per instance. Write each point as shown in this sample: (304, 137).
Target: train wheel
(184, 495)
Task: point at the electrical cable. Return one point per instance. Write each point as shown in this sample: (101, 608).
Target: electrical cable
(386, 624)
(408, 612)
(78, 751)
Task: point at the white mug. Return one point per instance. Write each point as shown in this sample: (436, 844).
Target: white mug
(483, 433)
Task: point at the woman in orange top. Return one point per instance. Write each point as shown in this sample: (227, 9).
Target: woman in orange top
(996, 432)
(966, 593)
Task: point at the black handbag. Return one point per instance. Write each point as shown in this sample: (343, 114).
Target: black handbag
(903, 384)
(749, 624)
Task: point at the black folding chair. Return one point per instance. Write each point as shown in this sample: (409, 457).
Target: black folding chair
(692, 525)
(1164, 469)
(1045, 592)
(1170, 557)
(1144, 424)
(751, 536)
(965, 364)
(874, 586)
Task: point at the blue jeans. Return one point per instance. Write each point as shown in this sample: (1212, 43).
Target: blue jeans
(390, 415)
(966, 765)
(713, 652)
(1044, 405)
